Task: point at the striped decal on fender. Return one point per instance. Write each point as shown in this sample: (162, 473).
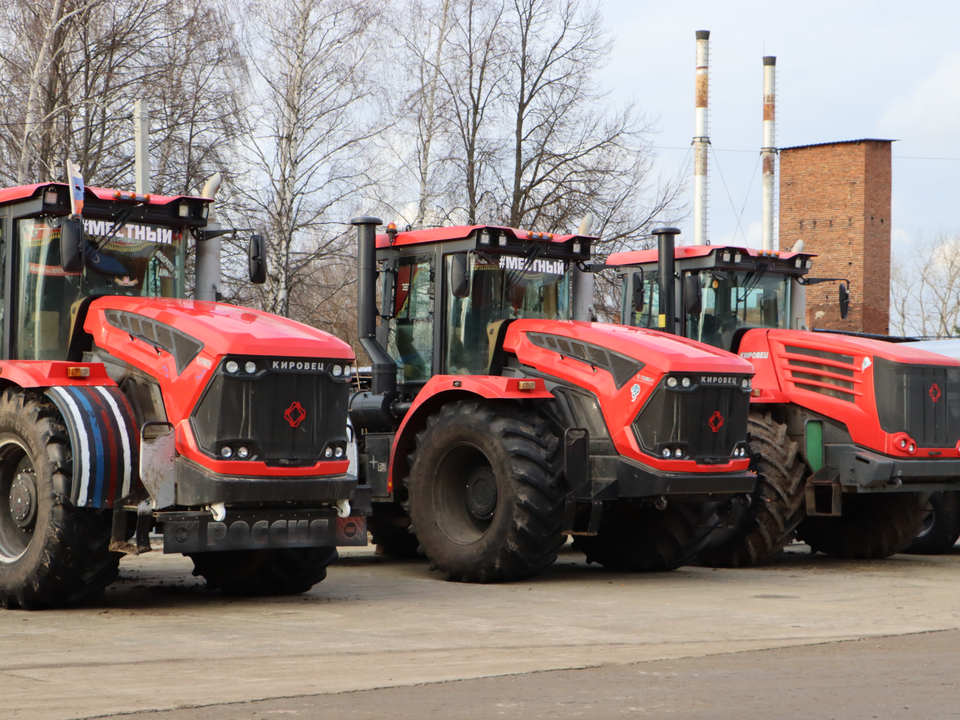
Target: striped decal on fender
(105, 442)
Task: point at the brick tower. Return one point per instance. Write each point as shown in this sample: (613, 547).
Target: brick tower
(836, 198)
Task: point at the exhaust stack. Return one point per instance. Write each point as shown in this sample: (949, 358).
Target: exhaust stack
(666, 241)
(384, 370)
(769, 152)
(701, 140)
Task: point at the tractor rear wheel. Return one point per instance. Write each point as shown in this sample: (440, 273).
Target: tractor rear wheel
(637, 537)
(778, 502)
(942, 526)
(870, 526)
(264, 572)
(51, 553)
(390, 527)
(486, 499)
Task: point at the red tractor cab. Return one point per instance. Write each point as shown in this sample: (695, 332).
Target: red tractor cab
(849, 434)
(497, 424)
(127, 408)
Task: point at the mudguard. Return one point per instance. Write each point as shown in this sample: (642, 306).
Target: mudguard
(105, 442)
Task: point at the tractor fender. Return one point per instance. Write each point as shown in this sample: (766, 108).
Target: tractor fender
(443, 389)
(104, 440)
(44, 373)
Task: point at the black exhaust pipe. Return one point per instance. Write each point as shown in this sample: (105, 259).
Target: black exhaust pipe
(384, 369)
(667, 268)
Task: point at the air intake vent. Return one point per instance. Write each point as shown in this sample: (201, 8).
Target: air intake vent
(823, 372)
(621, 367)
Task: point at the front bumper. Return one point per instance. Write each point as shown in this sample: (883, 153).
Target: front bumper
(197, 486)
(619, 477)
(868, 471)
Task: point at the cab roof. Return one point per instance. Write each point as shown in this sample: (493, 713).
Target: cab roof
(24, 192)
(681, 252)
(462, 232)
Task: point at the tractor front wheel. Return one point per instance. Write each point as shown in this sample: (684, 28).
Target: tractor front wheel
(942, 526)
(778, 502)
(870, 526)
(486, 501)
(637, 537)
(52, 554)
(264, 572)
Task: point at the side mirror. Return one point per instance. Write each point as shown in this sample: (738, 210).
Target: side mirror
(71, 237)
(692, 295)
(258, 259)
(459, 282)
(844, 301)
(638, 291)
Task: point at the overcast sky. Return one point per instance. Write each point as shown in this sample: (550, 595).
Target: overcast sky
(845, 70)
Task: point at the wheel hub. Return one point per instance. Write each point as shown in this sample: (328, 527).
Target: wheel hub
(482, 493)
(23, 500)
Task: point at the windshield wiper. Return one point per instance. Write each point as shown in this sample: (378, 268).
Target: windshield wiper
(119, 220)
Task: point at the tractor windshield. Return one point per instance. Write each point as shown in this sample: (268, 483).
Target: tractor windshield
(148, 262)
(500, 288)
(738, 299)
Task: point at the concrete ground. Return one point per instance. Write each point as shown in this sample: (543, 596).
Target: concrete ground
(803, 637)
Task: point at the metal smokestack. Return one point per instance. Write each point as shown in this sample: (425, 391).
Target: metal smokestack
(700, 140)
(769, 152)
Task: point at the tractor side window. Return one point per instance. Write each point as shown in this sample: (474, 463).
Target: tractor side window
(649, 317)
(411, 332)
(46, 293)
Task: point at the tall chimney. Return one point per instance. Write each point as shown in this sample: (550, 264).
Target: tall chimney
(701, 141)
(769, 152)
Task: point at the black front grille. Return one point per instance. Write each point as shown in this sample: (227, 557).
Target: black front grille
(282, 416)
(708, 421)
(920, 400)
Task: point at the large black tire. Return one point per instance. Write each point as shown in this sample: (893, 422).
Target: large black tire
(870, 526)
(486, 499)
(637, 537)
(264, 572)
(51, 553)
(778, 503)
(390, 527)
(942, 526)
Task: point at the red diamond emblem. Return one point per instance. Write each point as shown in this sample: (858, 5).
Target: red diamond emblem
(716, 421)
(935, 392)
(295, 414)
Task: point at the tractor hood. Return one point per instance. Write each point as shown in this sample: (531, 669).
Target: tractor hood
(636, 374)
(218, 328)
(666, 353)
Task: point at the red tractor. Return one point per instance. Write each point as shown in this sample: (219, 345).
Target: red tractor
(848, 434)
(496, 424)
(126, 409)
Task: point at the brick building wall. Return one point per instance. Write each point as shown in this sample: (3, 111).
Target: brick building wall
(836, 198)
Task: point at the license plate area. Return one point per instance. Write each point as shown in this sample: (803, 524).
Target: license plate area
(191, 532)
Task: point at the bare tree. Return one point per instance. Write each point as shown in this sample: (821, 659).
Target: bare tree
(925, 288)
(309, 123)
(82, 63)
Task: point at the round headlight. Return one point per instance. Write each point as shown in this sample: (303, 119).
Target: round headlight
(232, 366)
(745, 383)
(347, 371)
(671, 382)
(903, 443)
(686, 382)
(336, 370)
(911, 448)
(338, 452)
(226, 452)
(250, 367)
(328, 453)
(666, 452)
(243, 453)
